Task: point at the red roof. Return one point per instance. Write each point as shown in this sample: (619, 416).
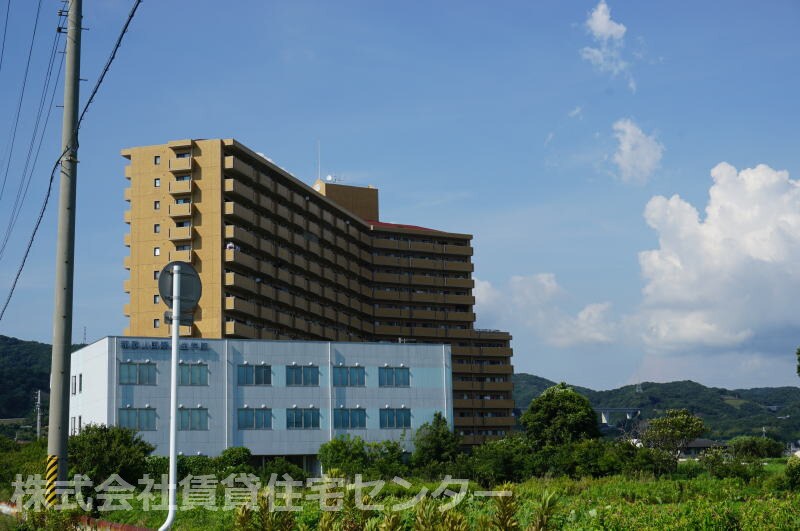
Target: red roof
(398, 226)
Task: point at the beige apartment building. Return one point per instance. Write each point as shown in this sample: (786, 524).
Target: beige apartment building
(279, 259)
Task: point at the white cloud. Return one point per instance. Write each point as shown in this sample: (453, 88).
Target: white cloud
(550, 136)
(638, 155)
(608, 35)
(533, 302)
(729, 280)
(577, 112)
(601, 26)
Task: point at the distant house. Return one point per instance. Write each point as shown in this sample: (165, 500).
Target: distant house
(698, 446)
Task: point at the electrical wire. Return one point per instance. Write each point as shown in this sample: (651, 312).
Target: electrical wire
(65, 151)
(5, 31)
(21, 97)
(24, 184)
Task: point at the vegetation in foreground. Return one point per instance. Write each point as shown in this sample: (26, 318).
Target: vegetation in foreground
(562, 474)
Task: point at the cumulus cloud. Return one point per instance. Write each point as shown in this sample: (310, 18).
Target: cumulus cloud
(534, 302)
(728, 280)
(638, 155)
(606, 55)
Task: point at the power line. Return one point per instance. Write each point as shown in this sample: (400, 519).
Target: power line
(5, 31)
(24, 184)
(21, 96)
(58, 161)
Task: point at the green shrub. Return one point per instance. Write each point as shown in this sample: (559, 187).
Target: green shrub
(792, 473)
(234, 460)
(195, 465)
(100, 451)
(750, 446)
(719, 463)
(280, 466)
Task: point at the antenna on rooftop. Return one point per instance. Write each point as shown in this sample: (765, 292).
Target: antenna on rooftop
(318, 161)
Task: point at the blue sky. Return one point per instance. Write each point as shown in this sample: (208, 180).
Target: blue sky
(575, 140)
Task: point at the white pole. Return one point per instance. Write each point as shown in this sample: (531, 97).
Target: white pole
(173, 401)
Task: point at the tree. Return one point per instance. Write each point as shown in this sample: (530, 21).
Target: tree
(345, 453)
(560, 416)
(751, 446)
(673, 431)
(100, 451)
(435, 445)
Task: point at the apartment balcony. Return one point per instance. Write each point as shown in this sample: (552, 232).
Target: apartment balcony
(238, 167)
(126, 310)
(500, 403)
(461, 267)
(239, 189)
(238, 211)
(127, 194)
(126, 262)
(183, 256)
(240, 282)
(126, 216)
(238, 305)
(183, 210)
(239, 258)
(465, 300)
(180, 187)
(458, 250)
(484, 422)
(481, 386)
(236, 329)
(486, 352)
(238, 234)
(478, 368)
(180, 165)
(126, 239)
(493, 334)
(126, 285)
(177, 234)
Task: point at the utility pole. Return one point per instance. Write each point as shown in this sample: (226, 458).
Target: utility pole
(65, 253)
(38, 414)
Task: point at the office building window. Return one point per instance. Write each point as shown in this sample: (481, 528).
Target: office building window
(156, 228)
(73, 387)
(395, 418)
(137, 373)
(156, 205)
(80, 383)
(194, 419)
(156, 323)
(72, 428)
(156, 251)
(349, 376)
(302, 419)
(157, 182)
(193, 374)
(307, 376)
(254, 375)
(140, 419)
(157, 160)
(156, 298)
(393, 377)
(255, 419)
(349, 419)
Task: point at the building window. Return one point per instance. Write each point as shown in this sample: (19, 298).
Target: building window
(193, 374)
(393, 377)
(182, 155)
(156, 251)
(156, 228)
(349, 376)
(157, 160)
(140, 419)
(155, 274)
(156, 323)
(157, 182)
(350, 419)
(73, 386)
(183, 201)
(80, 383)
(156, 205)
(180, 178)
(307, 376)
(254, 375)
(72, 428)
(137, 373)
(302, 419)
(395, 418)
(194, 419)
(255, 419)
(183, 247)
(156, 299)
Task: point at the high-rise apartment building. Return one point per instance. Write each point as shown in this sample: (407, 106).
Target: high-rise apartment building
(279, 259)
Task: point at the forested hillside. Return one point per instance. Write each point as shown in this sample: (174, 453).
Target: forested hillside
(726, 412)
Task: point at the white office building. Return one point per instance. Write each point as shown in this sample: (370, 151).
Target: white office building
(277, 398)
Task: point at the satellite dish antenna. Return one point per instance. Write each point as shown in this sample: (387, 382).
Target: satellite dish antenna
(190, 290)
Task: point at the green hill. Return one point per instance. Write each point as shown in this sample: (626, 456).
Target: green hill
(727, 413)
